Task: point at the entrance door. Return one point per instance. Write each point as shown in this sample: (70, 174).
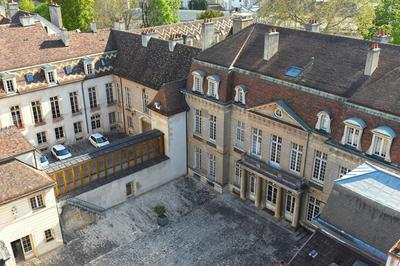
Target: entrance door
(271, 196)
(252, 187)
(17, 250)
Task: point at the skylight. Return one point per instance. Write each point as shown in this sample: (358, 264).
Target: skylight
(293, 72)
(29, 77)
(68, 69)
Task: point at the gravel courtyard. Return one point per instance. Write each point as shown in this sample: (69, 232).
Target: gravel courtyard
(206, 228)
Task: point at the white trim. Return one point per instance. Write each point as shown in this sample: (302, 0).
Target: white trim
(320, 116)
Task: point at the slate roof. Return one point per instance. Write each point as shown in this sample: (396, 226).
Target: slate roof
(371, 217)
(171, 100)
(154, 65)
(13, 143)
(331, 63)
(330, 250)
(18, 180)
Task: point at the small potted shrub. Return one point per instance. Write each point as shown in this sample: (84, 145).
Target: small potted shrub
(162, 219)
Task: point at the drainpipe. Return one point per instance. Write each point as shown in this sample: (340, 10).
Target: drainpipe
(84, 107)
(123, 104)
(306, 153)
(187, 143)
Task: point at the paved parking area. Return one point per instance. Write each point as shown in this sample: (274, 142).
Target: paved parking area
(205, 228)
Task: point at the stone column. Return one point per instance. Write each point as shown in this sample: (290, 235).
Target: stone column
(296, 211)
(243, 185)
(278, 203)
(257, 200)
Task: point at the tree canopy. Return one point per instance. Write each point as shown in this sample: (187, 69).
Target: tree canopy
(107, 11)
(198, 4)
(387, 19)
(159, 12)
(335, 16)
(27, 5)
(209, 13)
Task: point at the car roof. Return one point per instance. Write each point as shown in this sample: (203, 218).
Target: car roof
(96, 135)
(59, 147)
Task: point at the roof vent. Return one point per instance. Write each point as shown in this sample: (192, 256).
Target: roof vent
(313, 254)
(157, 105)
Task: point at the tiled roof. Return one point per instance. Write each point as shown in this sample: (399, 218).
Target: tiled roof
(18, 180)
(13, 143)
(153, 65)
(331, 63)
(170, 99)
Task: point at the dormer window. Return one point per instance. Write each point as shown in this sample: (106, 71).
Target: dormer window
(88, 65)
(324, 122)
(50, 74)
(352, 132)
(240, 96)
(381, 142)
(9, 82)
(213, 85)
(198, 78)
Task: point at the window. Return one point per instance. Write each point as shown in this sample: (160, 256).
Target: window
(343, 171)
(381, 142)
(73, 98)
(212, 166)
(92, 97)
(271, 193)
(198, 77)
(313, 208)
(256, 142)
(290, 201)
(296, 155)
(197, 158)
(78, 127)
(109, 93)
(41, 138)
(129, 189)
(239, 135)
(130, 122)
(128, 98)
(324, 122)
(55, 107)
(145, 98)
(240, 96)
(89, 69)
(353, 131)
(293, 72)
(320, 166)
(95, 121)
(16, 116)
(212, 121)
(36, 202)
(50, 77)
(276, 147)
(59, 131)
(197, 121)
(278, 113)
(238, 173)
(10, 85)
(26, 244)
(379, 146)
(37, 112)
(352, 136)
(252, 184)
(112, 118)
(48, 234)
(212, 89)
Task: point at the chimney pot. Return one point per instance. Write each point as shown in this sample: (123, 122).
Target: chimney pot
(93, 27)
(147, 34)
(312, 25)
(119, 25)
(173, 40)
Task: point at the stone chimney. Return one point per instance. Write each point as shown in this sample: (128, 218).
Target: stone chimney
(271, 43)
(119, 25)
(312, 25)
(2, 11)
(93, 27)
(188, 40)
(64, 36)
(381, 37)
(12, 8)
(394, 255)
(240, 22)
(55, 14)
(372, 59)
(207, 32)
(27, 20)
(147, 34)
(173, 40)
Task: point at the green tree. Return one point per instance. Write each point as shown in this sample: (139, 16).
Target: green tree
(209, 13)
(198, 4)
(107, 11)
(159, 12)
(26, 5)
(335, 16)
(387, 18)
(43, 10)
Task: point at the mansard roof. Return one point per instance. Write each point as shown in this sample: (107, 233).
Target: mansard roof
(154, 65)
(330, 63)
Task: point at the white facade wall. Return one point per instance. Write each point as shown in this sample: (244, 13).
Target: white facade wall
(30, 129)
(31, 223)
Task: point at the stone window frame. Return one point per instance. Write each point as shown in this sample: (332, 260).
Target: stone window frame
(50, 73)
(321, 115)
(354, 124)
(386, 135)
(198, 74)
(213, 82)
(240, 96)
(88, 66)
(9, 78)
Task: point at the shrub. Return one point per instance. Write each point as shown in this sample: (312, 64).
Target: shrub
(160, 211)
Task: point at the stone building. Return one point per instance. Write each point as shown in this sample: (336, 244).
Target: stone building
(276, 115)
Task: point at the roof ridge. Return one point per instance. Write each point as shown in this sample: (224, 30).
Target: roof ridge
(243, 46)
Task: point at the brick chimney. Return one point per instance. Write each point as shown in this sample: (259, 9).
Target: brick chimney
(119, 25)
(173, 40)
(147, 34)
(207, 33)
(271, 43)
(64, 36)
(55, 14)
(381, 37)
(240, 22)
(12, 8)
(394, 255)
(93, 27)
(312, 25)
(372, 59)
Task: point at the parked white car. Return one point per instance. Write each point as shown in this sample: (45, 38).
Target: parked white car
(98, 140)
(60, 152)
(44, 161)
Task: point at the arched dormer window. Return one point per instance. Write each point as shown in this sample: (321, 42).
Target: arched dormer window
(198, 78)
(241, 92)
(381, 142)
(324, 122)
(213, 86)
(353, 131)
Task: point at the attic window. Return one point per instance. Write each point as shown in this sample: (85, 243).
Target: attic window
(29, 77)
(240, 96)
(88, 65)
(68, 69)
(278, 113)
(381, 142)
(293, 72)
(157, 105)
(50, 74)
(9, 82)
